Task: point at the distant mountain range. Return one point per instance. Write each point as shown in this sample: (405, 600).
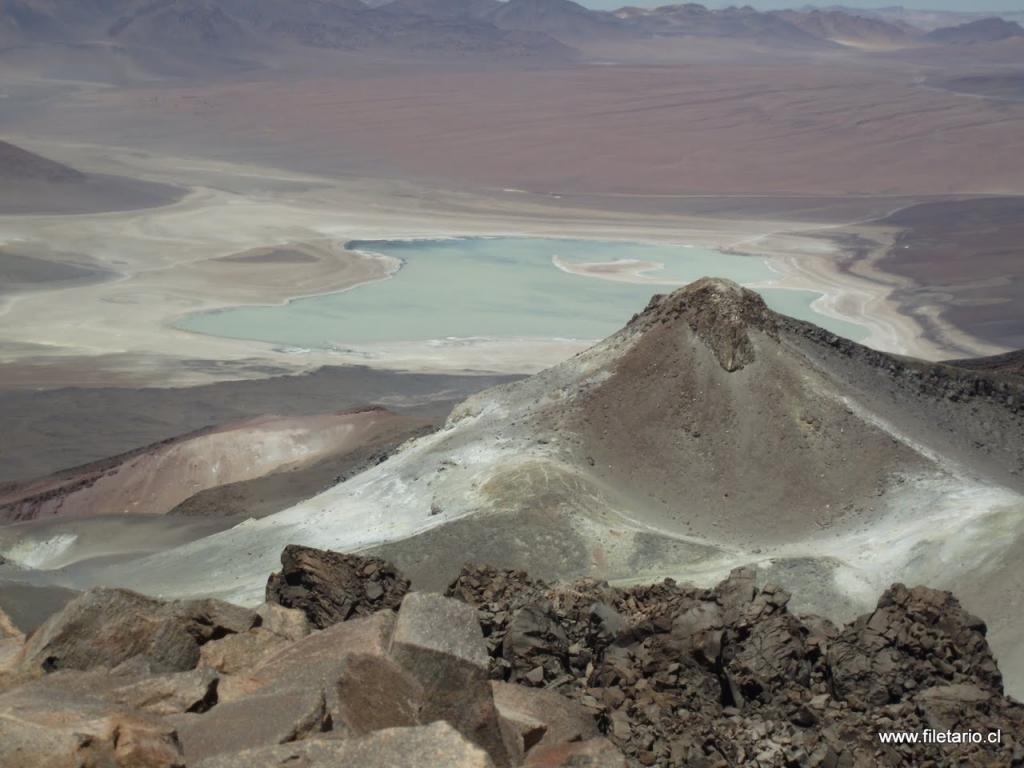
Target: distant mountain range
(691, 19)
(848, 28)
(926, 20)
(204, 32)
(250, 30)
(981, 31)
(562, 19)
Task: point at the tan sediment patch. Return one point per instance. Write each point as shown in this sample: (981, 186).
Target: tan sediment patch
(623, 270)
(288, 254)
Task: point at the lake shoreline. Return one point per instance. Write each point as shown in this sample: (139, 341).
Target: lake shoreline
(436, 295)
(166, 275)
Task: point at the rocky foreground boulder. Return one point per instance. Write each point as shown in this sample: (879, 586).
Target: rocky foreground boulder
(120, 679)
(504, 670)
(330, 586)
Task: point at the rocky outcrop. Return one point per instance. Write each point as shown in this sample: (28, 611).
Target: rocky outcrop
(121, 679)
(330, 587)
(509, 671)
(720, 313)
(681, 676)
(916, 638)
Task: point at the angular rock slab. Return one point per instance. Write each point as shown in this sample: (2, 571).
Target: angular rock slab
(374, 693)
(561, 719)
(317, 662)
(265, 720)
(170, 694)
(439, 642)
(240, 653)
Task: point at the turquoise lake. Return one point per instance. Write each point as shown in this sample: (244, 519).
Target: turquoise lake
(502, 287)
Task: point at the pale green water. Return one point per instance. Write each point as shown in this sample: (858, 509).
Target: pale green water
(495, 287)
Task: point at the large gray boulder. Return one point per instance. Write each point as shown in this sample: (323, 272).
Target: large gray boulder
(438, 640)
(437, 745)
(435, 632)
(318, 662)
(106, 627)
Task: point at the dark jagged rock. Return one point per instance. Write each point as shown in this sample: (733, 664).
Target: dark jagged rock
(721, 313)
(915, 638)
(681, 676)
(535, 646)
(330, 587)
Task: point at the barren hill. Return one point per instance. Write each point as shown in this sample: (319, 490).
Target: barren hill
(1009, 364)
(18, 164)
(159, 479)
(35, 184)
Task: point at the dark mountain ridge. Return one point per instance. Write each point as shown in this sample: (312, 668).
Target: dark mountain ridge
(231, 31)
(848, 28)
(692, 19)
(172, 35)
(981, 31)
(562, 19)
